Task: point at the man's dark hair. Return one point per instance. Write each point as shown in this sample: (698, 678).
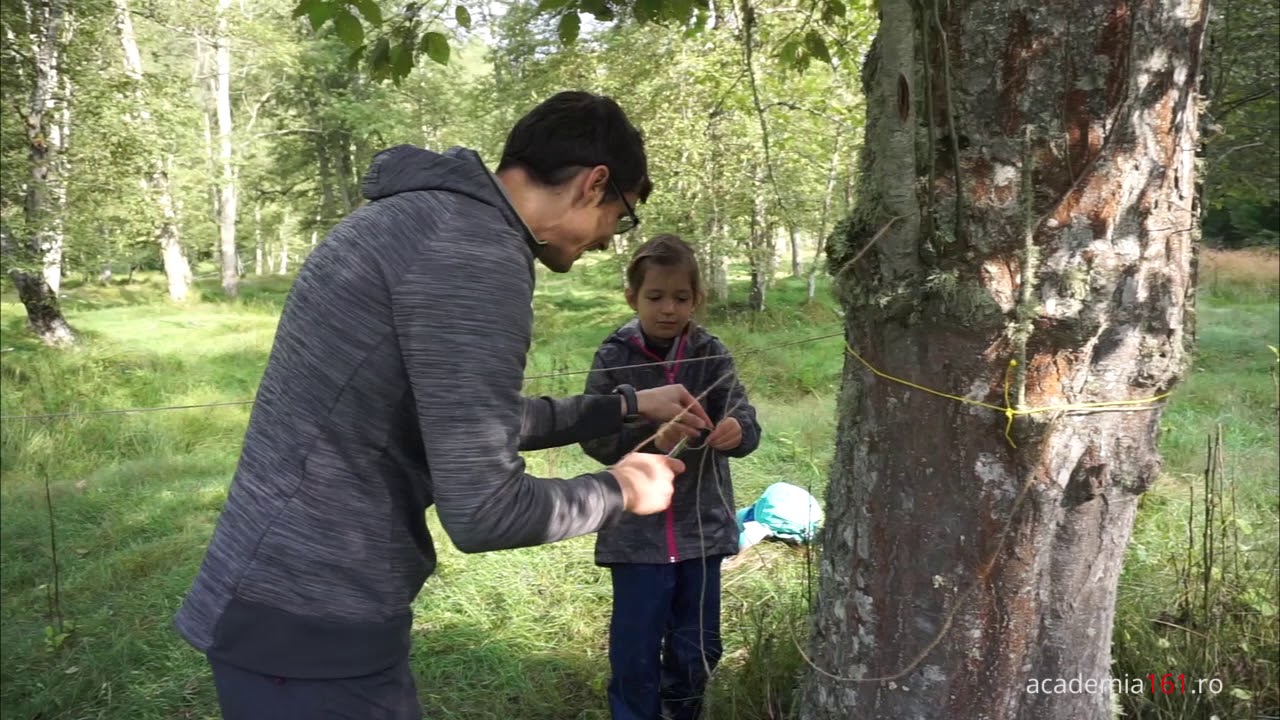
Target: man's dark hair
(573, 130)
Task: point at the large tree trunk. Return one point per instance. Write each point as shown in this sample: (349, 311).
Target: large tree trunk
(45, 192)
(227, 196)
(44, 317)
(57, 122)
(59, 141)
(956, 567)
(176, 268)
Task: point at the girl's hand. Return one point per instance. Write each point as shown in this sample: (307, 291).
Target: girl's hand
(726, 436)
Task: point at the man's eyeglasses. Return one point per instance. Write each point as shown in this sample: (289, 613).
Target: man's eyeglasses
(629, 221)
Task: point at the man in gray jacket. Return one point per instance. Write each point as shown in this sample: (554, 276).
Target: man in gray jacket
(394, 383)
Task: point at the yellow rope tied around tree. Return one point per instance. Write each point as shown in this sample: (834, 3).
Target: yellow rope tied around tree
(1009, 411)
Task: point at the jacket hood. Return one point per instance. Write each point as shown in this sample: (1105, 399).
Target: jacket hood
(406, 168)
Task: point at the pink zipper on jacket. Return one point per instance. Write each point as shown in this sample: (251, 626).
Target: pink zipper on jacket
(669, 370)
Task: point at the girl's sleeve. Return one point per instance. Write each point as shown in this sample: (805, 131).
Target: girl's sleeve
(729, 397)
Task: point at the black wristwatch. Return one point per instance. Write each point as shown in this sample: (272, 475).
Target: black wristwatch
(633, 405)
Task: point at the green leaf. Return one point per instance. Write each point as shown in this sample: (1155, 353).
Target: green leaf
(436, 46)
(304, 8)
(677, 10)
(402, 59)
(321, 13)
(817, 46)
(1245, 527)
(790, 52)
(833, 9)
(463, 16)
(1241, 694)
(598, 9)
(348, 27)
(369, 9)
(647, 10)
(317, 11)
(353, 60)
(548, 5)
(380, 55)
(570, 24)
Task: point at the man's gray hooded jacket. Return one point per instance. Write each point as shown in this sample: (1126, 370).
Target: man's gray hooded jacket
(393, 384)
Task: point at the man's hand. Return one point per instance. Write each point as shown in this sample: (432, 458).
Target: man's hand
(727, 435)
(673, 402)
(646, 482)
(668, 437)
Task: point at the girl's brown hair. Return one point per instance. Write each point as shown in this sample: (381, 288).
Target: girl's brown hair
(667, 251)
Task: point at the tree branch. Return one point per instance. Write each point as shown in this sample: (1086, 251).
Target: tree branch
(951, 122)
(747, 25)
(811, 111)
(181, 30)
(253, 116)
(1246, 146)
(1228, 108)
(289, 131)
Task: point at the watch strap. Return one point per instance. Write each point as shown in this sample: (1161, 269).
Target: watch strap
(633, 405)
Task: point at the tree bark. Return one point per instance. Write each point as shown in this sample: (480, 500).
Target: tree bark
(61, 141)
(45, 190)
(346, 176)
(959, 571)
(760, 248)
(795, 251)
(201, 71)
(44, 316)
(328, 203)
(282, 235)
(57, 122)
(717, 270)
(717, 261)
(177, 270)
(257, 237)
(227, 195)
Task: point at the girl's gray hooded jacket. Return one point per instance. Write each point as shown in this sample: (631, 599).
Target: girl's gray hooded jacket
(700, 522)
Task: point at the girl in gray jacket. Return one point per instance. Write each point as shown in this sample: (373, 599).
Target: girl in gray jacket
(664, 635)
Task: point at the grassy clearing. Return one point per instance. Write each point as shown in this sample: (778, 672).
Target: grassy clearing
(1164, 622)
(136, 497)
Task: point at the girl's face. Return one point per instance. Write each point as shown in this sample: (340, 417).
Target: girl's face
(664, 302)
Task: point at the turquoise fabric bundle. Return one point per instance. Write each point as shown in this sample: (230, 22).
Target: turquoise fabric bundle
(784, 511)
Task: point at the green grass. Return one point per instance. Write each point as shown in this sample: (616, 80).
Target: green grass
(1163, 624)
(136, 497)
